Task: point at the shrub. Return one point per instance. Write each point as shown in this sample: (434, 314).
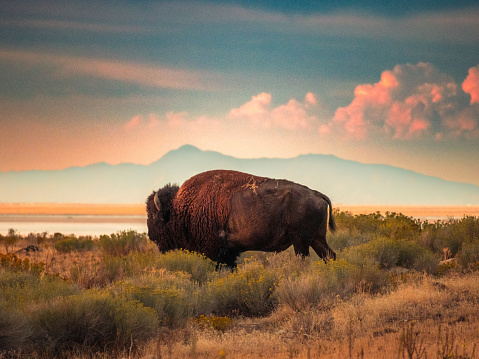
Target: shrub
(198, 266)
(91, 321)
(14, 329)
(10, 239)
(101, 273)
(171, 295)
(343, 239)
(398, 226)
(452, 234)
(123, 242)
(414, 256)
(426, 261)
(381, 251)
(13, 263)
(302, 293)
(343, 278)
(247, 291)
(70, 244)
(469, 255)
(213, 322)
(19, 289)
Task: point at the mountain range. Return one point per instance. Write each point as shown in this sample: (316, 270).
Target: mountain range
(344, 181)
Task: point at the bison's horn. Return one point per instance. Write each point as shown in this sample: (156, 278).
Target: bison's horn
(157, 201)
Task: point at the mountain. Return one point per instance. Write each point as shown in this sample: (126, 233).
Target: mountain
(344, 181)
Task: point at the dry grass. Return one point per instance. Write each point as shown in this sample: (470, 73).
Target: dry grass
(421, 318)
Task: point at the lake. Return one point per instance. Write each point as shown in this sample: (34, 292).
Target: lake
(78, 225)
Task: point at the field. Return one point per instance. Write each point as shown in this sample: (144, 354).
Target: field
(389, 295)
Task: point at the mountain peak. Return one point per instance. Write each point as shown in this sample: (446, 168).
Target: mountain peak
(187, 149)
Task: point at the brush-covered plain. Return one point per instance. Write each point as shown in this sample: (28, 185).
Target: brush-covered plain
(400, 288)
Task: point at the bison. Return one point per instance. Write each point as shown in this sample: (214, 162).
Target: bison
(223, 213)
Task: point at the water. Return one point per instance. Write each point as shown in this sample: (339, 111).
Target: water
(79, 225)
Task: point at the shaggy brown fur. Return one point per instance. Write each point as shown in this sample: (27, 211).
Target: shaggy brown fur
(201, 208)
(205, 202)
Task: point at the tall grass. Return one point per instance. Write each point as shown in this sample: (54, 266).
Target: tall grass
(124, 242)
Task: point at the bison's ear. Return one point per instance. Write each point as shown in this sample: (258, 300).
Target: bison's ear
(163, 211)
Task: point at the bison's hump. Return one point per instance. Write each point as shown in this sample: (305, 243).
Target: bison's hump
(204, 203)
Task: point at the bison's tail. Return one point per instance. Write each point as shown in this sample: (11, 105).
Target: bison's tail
(332, 223)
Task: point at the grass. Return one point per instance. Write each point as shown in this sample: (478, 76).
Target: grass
(387, 296)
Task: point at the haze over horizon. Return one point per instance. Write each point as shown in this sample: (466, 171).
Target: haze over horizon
(87, 82)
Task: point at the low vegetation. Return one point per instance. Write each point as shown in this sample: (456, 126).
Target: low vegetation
(401, 288)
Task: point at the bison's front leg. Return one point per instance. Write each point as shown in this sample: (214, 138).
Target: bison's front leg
(227, 256)
(301, 248)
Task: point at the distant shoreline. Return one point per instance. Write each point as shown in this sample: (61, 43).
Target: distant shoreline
(73, 209)
(135, 211)
(413, 211)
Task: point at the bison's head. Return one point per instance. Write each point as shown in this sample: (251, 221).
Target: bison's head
(159, 207)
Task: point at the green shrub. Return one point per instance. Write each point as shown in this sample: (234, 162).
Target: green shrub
(342, 239)
(469, 255)
(381, 251)
(398, 226)
(123, 242)
(171, 295)
(427, 262)
(70, 244)
(343, 278)
(198, 266)
(90, 322)
(213, 322)
(414, 256)
(14, 329)
(247, 291)
(19, 289)
(452, 234)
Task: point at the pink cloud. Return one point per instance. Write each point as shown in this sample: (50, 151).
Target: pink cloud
(133, 123)
(471, 84)
(291, 115)
(410, 101)
(256, 110)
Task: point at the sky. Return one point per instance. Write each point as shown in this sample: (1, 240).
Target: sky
(395, 82)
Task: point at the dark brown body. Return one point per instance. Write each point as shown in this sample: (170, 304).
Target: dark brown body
(223, 213)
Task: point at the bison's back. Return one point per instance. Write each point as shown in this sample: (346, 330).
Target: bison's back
(278, 210)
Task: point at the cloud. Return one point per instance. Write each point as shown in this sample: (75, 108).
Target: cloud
(292, 115)
(150, 75)
(471, 84)
(409, 102)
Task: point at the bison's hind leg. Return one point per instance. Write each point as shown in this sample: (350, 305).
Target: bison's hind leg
(301, 247)
(323, 250)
